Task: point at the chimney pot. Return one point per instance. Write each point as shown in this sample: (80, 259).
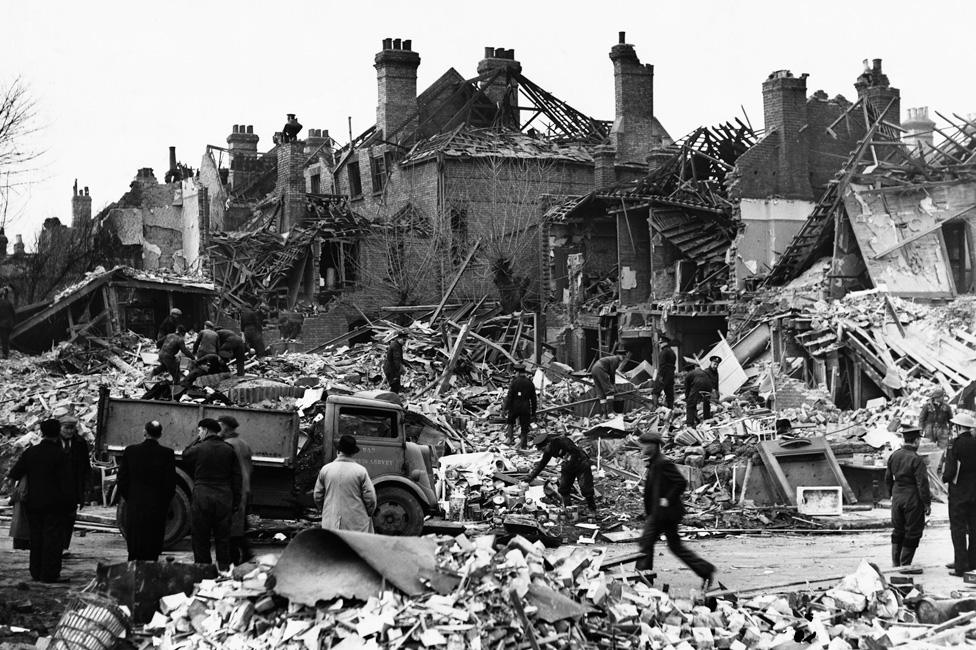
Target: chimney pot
(499, 52)
(250, 128)
(397, 44)
(877, 65)
(622, 37)
(407, 44)
(236, 129)
(489, 52)
(86, 190)
(387, 43)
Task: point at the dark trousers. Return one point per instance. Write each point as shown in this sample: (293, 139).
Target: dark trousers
(254, 338)
(574, 470)
(524, 418)
(393, 379)
(240, 550)
(210, 518)
(652, 531)
(962, 530)
(664, 385)
(68, 526)
(46, 543)
(5, 341)
(145, 527)
(233, 350)
(907, 520)
(692, 401)
(168, 363)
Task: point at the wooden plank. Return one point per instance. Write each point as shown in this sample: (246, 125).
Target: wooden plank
(445, 380)
(56, 307)
(454, 282)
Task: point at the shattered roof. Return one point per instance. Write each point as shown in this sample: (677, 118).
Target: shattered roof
(128, 273)
(467, 142)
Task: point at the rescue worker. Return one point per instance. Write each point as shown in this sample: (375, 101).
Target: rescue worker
(520, 405)
(393, 362)
(575, 467)
(907, 478)
(240, 552)
(604, 374)
(216, 492)
(147, 483)
(210, 364)
(934, 418)
(207, 341)
(231, 347)
(169, 347)
(7, 317)
(78, 467)
(168, 325)
(960, 477)
(48, 501)
(663, 487)
(666, 366)
(700, 384)
(344, 491)
(252, 327)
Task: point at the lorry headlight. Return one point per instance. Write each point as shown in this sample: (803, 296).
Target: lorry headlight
(415, 476)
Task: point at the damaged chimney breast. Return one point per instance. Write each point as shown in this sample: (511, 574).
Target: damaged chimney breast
(396, 79)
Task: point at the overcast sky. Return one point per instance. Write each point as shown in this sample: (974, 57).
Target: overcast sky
(116, 83)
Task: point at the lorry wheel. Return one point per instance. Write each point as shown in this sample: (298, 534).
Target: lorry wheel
(177, 518)
(397, 512)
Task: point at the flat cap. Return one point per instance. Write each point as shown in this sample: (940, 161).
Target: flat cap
(540, 438)
(229, 420)
(649, 437)
(210, 424)
(715, 358)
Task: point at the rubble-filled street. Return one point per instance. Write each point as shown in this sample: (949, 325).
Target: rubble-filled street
(452, 355)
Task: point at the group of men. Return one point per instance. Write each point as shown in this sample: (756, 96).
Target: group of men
(214, 349)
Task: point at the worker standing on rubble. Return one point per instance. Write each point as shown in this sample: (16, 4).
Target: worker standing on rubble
(663, 487)
(393, 362)
(575, 467)
(240, 552)
(960, 476)
(520, 405)
(169, 325)
(344, 491)
(604, 373)
(231, 347)
(252, 326)
(216, 492)
(934, 418)
(700, 385)
(666, 365)
(907, 478)
(207, 341)
(47, 502)
(170, 346)
(78, 467)
(147, 483)
(7, 317)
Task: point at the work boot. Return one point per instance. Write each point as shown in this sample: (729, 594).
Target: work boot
(907, 555)
(895, 555)
(644, 563)
(951, 565)
(591, 502)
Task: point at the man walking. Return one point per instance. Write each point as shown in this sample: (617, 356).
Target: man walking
(934, 418)
(663, 487)
(252, 327)
(700, 384)
(78, 468)
(575, 467)
(48, 501)
(240, 552)
(907, 478)
(7, 317)
(604, 373)
(169, 347)
(344, 491)
(393, 362)
(960, 476)
(664, 382)
(216, 492)
(147, 483)
(521, 404)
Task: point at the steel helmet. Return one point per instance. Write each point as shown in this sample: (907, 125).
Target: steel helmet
(964, 420)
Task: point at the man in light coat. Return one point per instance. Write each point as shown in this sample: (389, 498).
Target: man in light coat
(344, 492)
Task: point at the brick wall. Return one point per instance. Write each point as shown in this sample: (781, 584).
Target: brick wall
(633, 133)
(291, 184)
(785, 111)
(634, 255)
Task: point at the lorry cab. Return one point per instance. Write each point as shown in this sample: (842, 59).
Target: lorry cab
(401, 471)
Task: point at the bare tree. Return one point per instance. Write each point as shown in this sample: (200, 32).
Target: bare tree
(62, 257)
(18, 125)
(402, 256)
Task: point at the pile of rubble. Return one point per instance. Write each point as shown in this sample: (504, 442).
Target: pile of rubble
(489, 594)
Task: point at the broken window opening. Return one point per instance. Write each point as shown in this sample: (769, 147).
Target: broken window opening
(339, 266)
(315, 184)
(377, 171)
(354, 178)
(957, 243)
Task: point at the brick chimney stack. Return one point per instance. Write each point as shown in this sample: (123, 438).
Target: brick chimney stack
(785, 111)
(396, 79)
(242, 145)
(497, 71)
(290, 185)
(19, 246)
(319, 144)
(80, 207)
(873, 86)
(633, 133)
(919, 129)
